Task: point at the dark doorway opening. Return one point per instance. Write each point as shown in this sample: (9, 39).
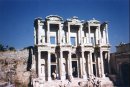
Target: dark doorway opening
(94, 69)
(105, 60)
(125, 74)
(74, 69)
(53, 72)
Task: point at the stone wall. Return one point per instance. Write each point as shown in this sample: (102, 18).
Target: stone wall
(15, 67)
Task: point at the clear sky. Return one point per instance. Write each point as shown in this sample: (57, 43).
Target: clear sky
(17, 17)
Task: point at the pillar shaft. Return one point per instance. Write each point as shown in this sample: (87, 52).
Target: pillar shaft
(109, 62)
(89, 33)
(99, 35)
(60, 34)
(48, 32)
(83, 67)
(79, 34)
(102, 64)
(49, 67)
(35, 36)
(39, 34)
(107, 39)
(91, 63)
(68, 34)
(81, 39)
(62, 67)
(70, 65)
(39, 63)
(89, 67)
(104, 37)
(61, 63)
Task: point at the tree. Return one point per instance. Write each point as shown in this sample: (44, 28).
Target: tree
(12, 49)
(6, 48)
(1, 47)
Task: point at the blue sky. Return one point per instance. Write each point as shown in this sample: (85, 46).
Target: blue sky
(17, 16)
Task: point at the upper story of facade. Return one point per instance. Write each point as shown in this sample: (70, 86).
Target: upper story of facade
(55, 31)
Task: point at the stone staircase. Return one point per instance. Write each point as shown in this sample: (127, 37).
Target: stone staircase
(76, 82)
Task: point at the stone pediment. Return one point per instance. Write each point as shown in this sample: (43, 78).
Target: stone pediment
(94, 21)
(54, 18)
(74, 19)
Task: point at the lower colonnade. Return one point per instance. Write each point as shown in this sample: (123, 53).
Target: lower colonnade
(68, 65)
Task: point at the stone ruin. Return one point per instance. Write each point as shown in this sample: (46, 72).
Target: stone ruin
(15, 67)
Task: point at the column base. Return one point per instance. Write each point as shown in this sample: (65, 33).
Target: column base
(84, 77)
(70, 78)
(49, 78)
(103, 76)
(38, 82)
(62, 77)
(41, 83)
(42, 78)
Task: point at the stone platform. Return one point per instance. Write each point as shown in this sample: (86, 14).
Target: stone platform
(76, 82)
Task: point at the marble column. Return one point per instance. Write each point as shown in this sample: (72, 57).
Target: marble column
(49, 66)
(70, 66)
(35, 37)
(81, 38)
(80, 65)
(89, 31)
(88, 59)
(68, 34)
(104, 37)
(102, 63)
(97, 35)
(79, 34)
(43, 37)
(48, 32)
(60, 35)
(83, 66)
(62, 67)
(39, 34)
(99, 65)
(91, 63)
(108, 55)
(107, 39)
(39, 63)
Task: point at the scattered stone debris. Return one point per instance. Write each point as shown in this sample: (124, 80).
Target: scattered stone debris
(13, 68)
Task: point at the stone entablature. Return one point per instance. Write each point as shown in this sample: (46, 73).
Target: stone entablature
(71, 49)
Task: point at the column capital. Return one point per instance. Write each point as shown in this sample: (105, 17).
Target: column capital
(83, 51)
(60, 51)
(90, 51)
(81, 25)
(48, 22)
(39, 51)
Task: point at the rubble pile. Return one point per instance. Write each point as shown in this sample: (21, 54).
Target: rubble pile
(13, 68)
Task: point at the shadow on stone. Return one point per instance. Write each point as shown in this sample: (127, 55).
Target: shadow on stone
(29, 62)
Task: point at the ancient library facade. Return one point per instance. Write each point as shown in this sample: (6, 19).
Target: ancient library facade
(71, 48)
